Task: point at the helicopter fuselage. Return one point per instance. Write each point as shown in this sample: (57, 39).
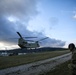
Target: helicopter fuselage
(24, 44)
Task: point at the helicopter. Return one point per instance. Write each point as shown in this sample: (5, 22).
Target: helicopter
(22, 43)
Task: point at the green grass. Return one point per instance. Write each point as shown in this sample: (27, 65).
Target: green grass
(60, 70)
(11, 61)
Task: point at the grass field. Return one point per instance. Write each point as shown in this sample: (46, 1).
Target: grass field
(60, 70)
(11, 61)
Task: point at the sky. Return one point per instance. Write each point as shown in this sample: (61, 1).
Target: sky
(55, 19)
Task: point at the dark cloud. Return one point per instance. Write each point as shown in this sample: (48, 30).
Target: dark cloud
(6, 29)
(22, 11)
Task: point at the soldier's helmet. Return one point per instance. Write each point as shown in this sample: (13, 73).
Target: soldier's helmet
(71, 47)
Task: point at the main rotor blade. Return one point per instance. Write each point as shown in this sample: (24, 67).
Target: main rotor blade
(29, 37)
(42, 39)
(19, 34)
(23, 37)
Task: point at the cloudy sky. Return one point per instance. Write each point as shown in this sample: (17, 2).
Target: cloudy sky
(55, 19)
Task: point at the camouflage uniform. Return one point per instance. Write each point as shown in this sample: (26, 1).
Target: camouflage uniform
(73, 59)
(74, 62)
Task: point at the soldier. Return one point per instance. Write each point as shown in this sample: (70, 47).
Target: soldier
(73, 59)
